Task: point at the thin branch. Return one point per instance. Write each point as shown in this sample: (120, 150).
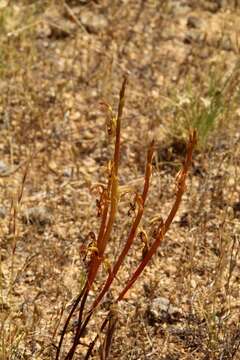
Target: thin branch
(181, 180)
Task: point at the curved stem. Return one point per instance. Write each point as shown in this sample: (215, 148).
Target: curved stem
(141, 203)
(181, 179)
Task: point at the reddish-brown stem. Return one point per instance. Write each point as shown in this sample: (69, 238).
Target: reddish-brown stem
(103, 240)
(181, 179)
(77, 301)
(132, 233)
(106, 225)
(141, 203)
(85, 290)
(181, 188)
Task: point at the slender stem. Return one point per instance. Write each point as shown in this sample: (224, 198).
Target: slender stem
(162, 231)
(106, 226)
(77, 301)
(102, 241)
(181, 188)
(141, 203)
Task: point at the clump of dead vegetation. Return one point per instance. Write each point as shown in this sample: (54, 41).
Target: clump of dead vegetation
(107, 210)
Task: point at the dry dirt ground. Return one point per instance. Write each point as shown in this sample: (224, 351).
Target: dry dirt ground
(58, 61)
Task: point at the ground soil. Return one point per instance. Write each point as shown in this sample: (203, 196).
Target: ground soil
(59, 61)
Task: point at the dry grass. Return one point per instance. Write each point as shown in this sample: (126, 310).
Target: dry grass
(56, 67)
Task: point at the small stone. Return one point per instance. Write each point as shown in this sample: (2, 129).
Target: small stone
(3, 212)
(43, 30)
(193, 36)
(38, 215)
(194, 22)
(180, 9)
(68, 172)
(3, 167)
(54, 25)
(226, 43)
(212, 6)
(94, 23)
(162, 311)
(205, 53)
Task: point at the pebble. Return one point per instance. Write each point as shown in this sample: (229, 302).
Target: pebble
(180, 9)
(226, 43)
(38, 215)
(94, 23)
(205, 53)
(3, 212)
(212, 6)
(193, 36)
(68, 172)
(3, 167)
(194, 22)
(161, 310)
